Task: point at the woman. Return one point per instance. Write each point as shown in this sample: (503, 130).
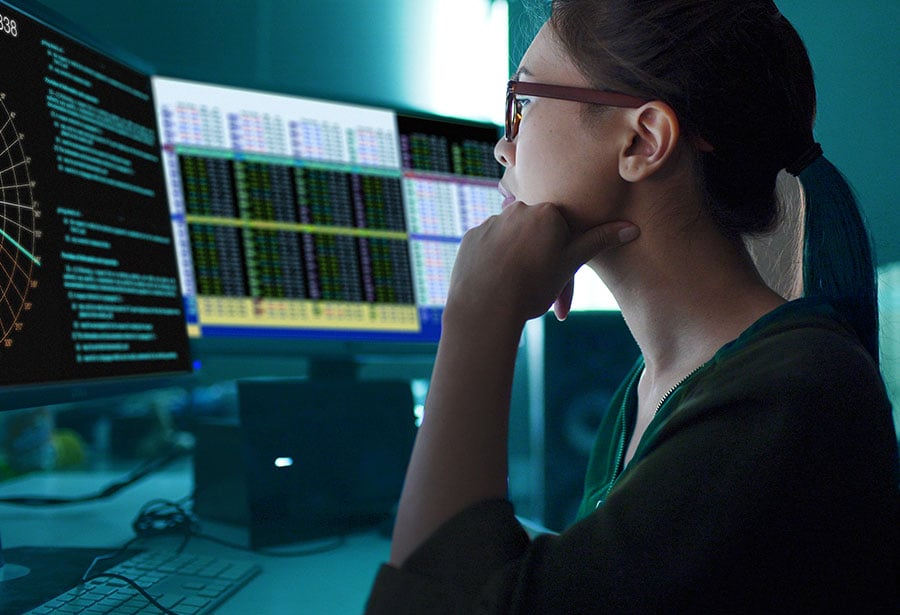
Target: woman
(749, 461)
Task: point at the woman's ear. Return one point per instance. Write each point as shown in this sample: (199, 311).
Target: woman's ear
(654, 136)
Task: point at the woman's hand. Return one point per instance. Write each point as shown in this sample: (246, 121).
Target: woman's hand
(509, 269)
(519, 262)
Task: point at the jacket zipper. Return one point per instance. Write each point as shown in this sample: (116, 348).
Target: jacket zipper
(673, 389)
(620, 450)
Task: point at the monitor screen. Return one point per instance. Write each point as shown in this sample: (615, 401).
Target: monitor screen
(88, 276)
(306, 220)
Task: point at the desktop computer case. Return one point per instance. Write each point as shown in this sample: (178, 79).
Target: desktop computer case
(306, 459)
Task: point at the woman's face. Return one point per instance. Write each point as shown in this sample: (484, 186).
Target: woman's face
(560, 155)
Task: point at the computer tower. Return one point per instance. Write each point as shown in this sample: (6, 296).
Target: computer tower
(307, 459)
(585, 359)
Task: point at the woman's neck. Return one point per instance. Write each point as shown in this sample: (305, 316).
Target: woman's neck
(685, 293)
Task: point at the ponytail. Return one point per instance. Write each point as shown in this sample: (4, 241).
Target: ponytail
(739, 77)
(838, 263)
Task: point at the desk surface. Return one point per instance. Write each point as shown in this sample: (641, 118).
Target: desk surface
(336, 582)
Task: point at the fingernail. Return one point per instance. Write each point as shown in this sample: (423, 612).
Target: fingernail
(629, 233)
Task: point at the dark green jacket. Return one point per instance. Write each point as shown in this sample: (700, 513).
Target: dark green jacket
(767, 482)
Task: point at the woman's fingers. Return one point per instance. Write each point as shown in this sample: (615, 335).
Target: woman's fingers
(523, 260)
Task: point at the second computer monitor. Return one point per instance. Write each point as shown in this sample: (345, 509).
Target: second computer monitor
(306, 219)
(89, 301)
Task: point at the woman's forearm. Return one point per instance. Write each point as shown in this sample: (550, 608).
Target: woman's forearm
(460, 455)
(509, 269)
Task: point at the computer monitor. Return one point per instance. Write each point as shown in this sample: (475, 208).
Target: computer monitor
(89, 299)
(317, 228)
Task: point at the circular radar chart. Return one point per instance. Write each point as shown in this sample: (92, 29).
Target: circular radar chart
(18, 233)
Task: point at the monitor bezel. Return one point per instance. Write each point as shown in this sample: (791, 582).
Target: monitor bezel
(25, 396)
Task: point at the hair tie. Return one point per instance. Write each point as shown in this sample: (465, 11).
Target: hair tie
(806, 158)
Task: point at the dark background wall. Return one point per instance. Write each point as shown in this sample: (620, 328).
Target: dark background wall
(353, 50)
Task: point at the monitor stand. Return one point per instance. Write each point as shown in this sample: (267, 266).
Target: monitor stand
(33, 575)
(10, 570)
(330, 369)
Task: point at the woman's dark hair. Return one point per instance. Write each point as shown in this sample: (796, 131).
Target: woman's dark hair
(738, 76)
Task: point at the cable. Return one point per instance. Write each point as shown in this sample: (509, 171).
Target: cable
(158, 517)
(87, 576)
(135, 475)
(133, 584)
(337, 543)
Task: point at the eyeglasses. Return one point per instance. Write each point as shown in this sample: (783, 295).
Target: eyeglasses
(560, 92)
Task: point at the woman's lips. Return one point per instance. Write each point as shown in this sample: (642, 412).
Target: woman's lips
(508, 197)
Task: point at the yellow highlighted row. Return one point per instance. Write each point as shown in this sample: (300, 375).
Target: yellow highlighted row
(302, 313)
(273, 225)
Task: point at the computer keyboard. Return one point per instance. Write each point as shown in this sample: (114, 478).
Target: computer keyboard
(183, 583)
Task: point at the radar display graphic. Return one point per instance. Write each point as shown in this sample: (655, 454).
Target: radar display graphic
(19, 213)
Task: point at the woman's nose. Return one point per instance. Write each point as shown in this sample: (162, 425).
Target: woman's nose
(505, 152)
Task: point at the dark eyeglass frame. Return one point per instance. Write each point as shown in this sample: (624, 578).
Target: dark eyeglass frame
(516, 88)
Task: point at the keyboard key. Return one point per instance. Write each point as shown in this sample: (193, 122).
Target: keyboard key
(186, 584)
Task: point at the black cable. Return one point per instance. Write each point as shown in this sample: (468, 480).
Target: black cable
(162, 517)
(155, 518)
(158, 517)
(135, 475)
(87, 576)
(154, 522)
(135, 585)
(337, 543)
